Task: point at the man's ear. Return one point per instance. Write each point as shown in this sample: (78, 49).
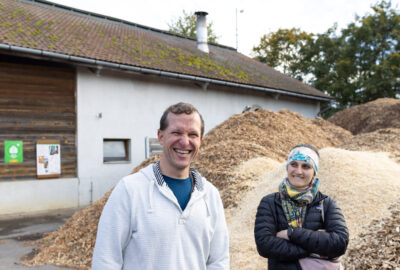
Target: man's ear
(160, 136)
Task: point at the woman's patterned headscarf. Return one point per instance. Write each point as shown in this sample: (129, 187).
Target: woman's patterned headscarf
(304, 154)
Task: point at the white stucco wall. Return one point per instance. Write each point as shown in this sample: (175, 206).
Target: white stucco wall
(38, 195)
(131, 107)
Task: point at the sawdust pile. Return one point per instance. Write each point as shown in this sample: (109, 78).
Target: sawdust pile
(256, 140)
(381, 140)
(368, 117)
(364, 184)
(250, 170)
(379, 247)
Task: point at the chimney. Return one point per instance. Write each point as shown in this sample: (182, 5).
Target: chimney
(201, 31)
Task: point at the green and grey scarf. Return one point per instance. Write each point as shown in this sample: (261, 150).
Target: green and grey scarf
(295, 201)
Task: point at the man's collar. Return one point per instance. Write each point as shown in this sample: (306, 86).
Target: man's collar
(198, 183)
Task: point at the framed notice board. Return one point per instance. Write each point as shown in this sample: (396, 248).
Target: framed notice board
(48, 159)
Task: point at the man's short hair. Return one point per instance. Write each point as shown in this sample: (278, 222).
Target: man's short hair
(180, 108)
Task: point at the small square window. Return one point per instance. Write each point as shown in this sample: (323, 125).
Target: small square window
(116, 150)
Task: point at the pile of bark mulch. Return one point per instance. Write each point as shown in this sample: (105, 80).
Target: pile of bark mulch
(368, 117)
(379, 246)
(381, 140)
(240, 138)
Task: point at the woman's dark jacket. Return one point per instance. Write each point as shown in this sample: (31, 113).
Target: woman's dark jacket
(283, 254)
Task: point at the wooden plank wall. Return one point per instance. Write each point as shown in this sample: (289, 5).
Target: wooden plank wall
(37, 102)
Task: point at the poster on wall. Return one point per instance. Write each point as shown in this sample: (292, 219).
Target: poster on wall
(48, 159)
(13, 152)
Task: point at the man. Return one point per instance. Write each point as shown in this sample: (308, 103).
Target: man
(166, 216)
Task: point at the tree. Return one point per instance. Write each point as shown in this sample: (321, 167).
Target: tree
(372, 44)
(186, 26)
(359, 65)
(281, 49)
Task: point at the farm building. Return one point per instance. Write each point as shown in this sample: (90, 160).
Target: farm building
(81, 95)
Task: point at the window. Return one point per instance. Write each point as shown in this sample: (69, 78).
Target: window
(115, 150)
(152, 147)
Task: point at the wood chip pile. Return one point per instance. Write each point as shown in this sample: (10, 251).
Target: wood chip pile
(368, 117)
(381, 140)
(277, 132)
(71, 245)
(364, 184)
(379, 247)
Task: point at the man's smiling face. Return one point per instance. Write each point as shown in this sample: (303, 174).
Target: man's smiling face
(180, 141)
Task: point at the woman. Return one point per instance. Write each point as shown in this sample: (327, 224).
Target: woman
(299, 221)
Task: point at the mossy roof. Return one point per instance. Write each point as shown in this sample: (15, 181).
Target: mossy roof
(55, 28)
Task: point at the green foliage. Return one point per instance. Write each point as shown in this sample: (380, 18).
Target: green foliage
(282, 48)
(186, 26)
(358, 65)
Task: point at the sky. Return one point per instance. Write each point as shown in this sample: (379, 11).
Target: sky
(236, 23)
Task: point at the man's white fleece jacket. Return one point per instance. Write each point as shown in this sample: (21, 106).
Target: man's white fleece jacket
(143, 227)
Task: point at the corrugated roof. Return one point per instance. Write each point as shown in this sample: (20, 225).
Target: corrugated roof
(55, 28)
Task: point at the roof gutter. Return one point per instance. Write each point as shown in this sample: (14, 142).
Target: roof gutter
(88, 61)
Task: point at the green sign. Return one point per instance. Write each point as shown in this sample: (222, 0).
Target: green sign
(13, 152)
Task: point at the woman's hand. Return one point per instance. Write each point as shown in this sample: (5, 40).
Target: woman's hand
(283, 234)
